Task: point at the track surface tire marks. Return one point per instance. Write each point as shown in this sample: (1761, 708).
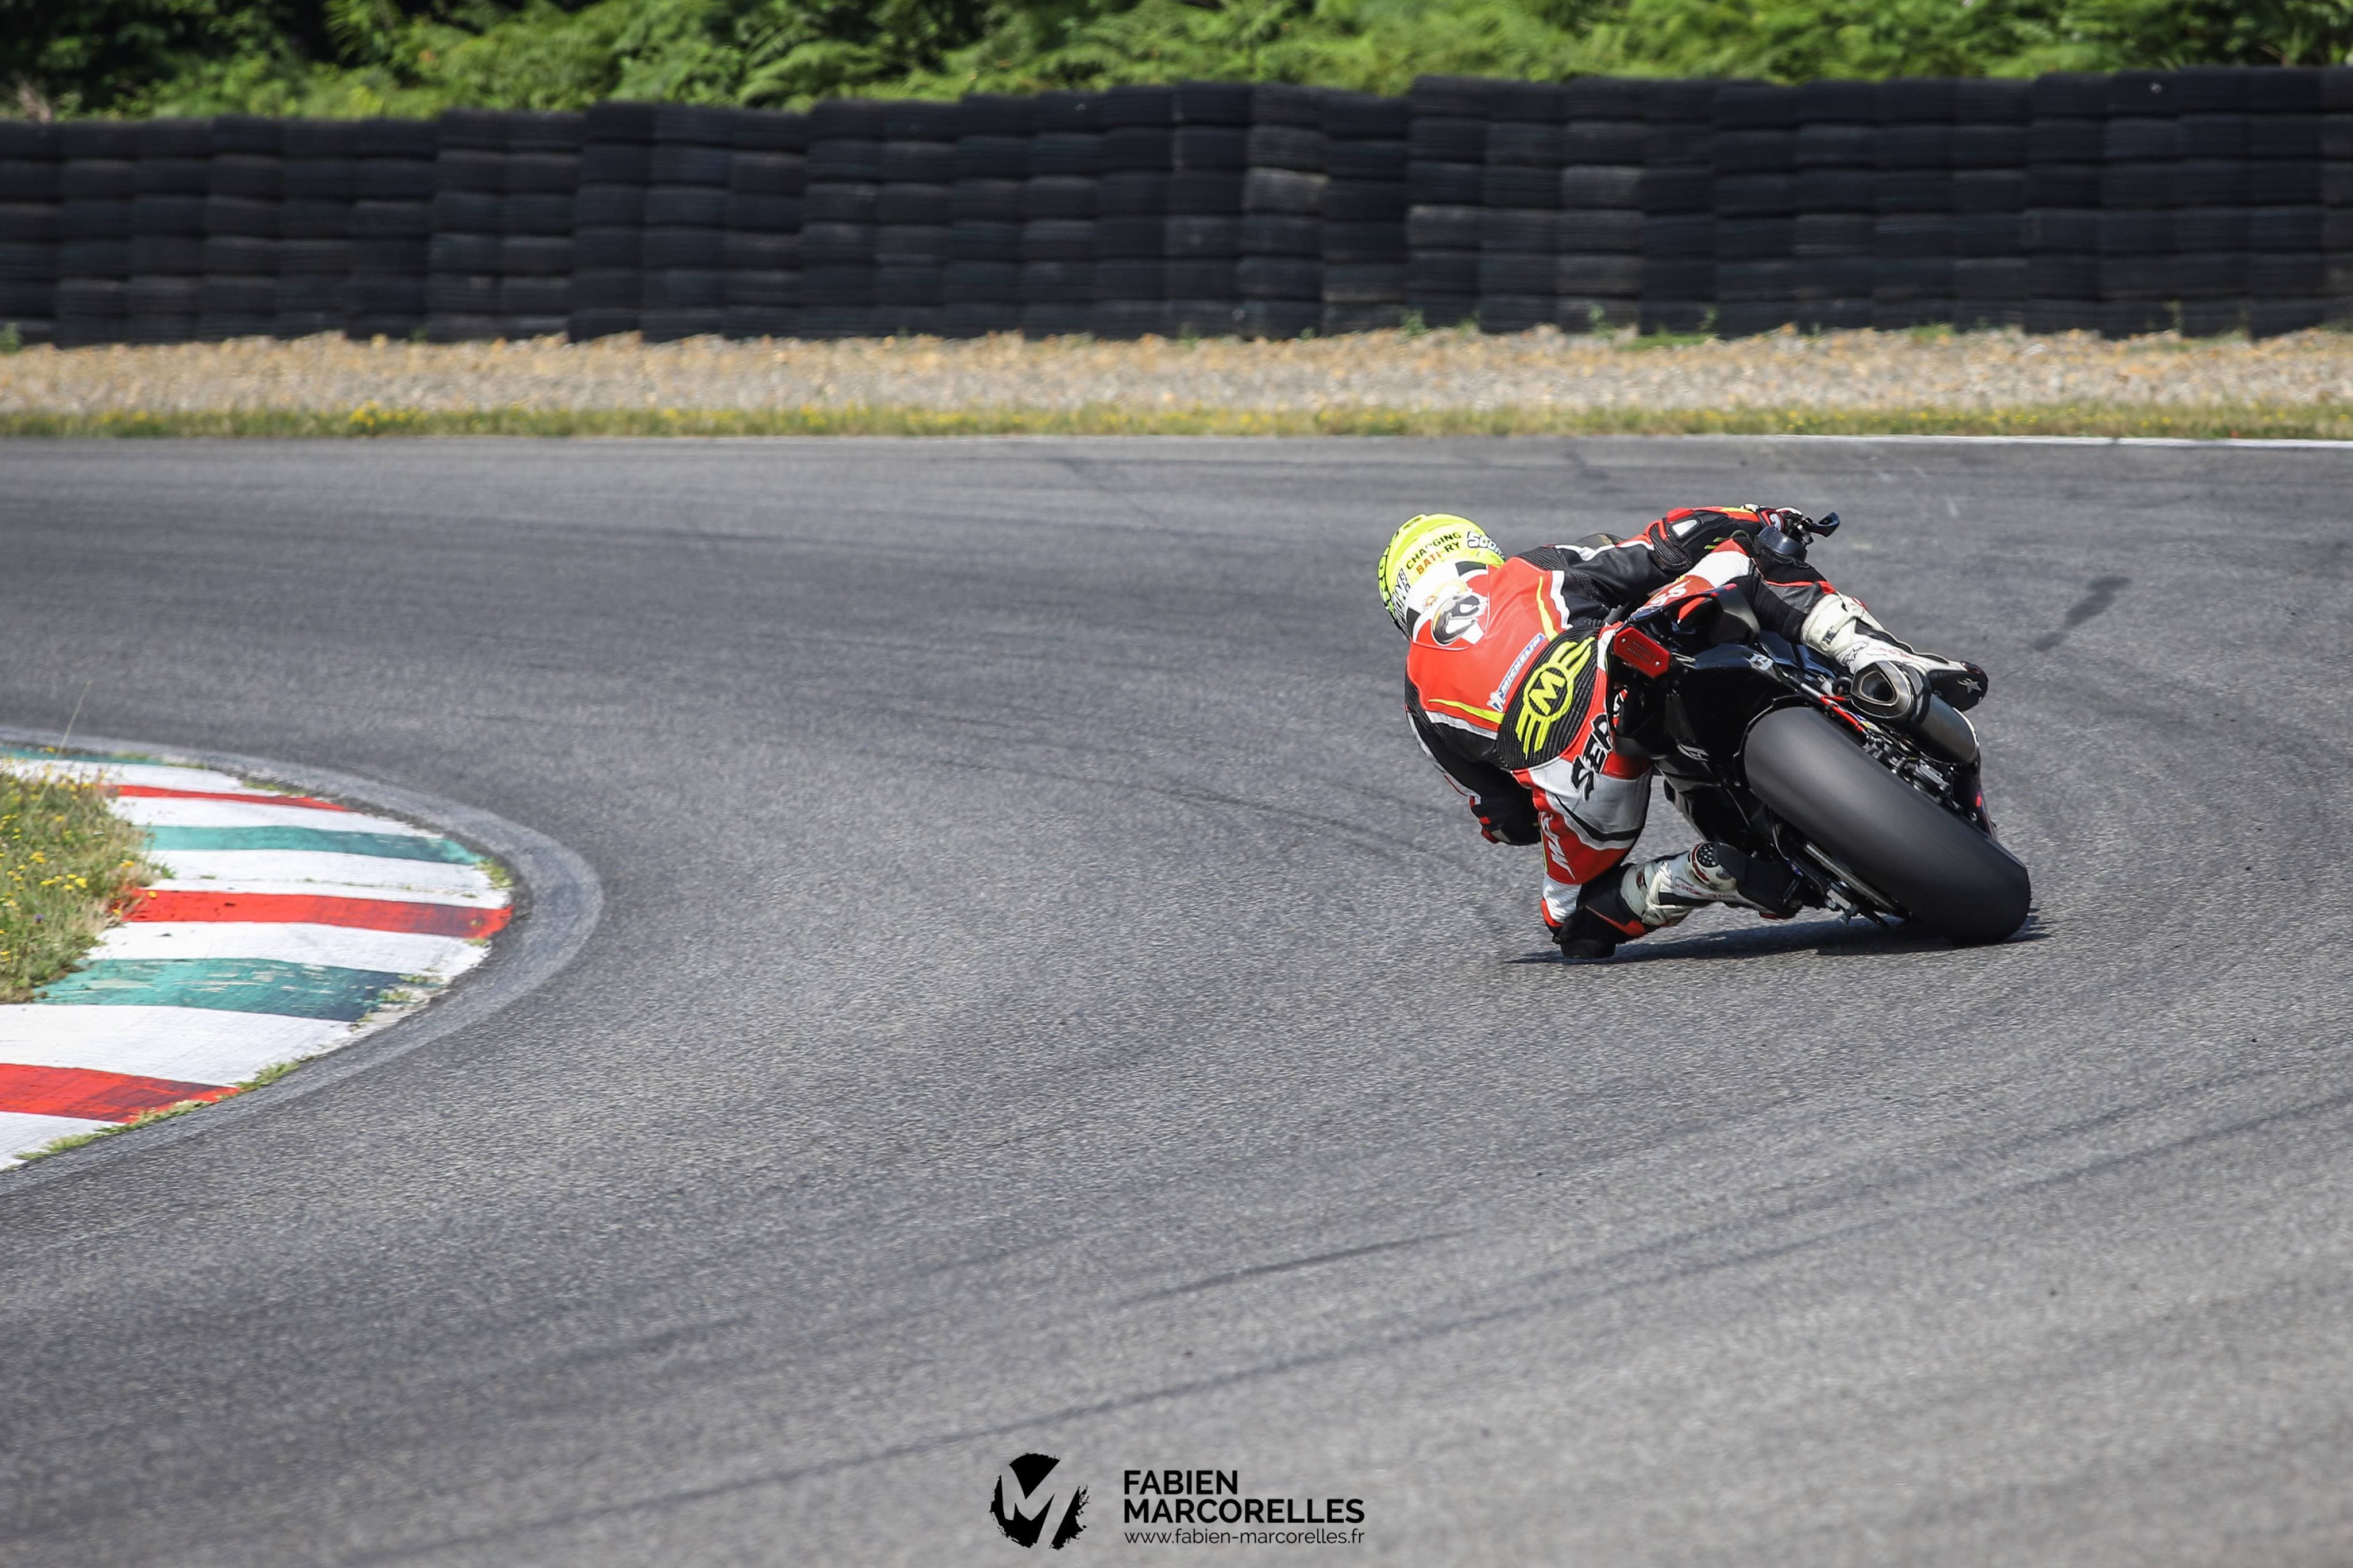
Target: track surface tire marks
(1044, 1002)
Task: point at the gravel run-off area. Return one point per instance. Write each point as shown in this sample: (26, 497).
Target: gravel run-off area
(1538, 374)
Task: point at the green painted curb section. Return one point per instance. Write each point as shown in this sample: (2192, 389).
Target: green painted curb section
(228, 985)
(384, 846)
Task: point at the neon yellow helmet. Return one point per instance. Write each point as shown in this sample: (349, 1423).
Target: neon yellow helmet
(1426, 559)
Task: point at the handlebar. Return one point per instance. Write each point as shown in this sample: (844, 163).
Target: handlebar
(1787, 532)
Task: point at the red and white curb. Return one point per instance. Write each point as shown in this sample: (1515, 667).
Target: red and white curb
(286, 927)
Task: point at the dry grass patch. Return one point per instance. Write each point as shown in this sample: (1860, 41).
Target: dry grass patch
(67, 866)
(1441, 382)
(2177, 421)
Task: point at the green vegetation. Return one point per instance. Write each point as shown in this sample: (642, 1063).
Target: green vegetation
(66, 861)
(417, 57)
(2299, 421)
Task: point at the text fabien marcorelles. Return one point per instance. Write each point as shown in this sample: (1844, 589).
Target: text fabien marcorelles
(1215, 1497)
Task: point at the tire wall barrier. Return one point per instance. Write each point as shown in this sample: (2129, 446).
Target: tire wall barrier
(2211, 199)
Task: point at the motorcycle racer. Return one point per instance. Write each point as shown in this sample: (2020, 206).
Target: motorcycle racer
(1507, 689)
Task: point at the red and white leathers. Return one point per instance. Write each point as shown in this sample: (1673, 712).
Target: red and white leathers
(1507, 689)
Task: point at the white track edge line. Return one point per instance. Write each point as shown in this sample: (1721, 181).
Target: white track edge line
(2261, 443)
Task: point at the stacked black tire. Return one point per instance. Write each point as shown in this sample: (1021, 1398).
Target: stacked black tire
(1364, 212)
(914, 214)
(2288, 192)
(1597, 280)
(1058, 206)
(1131, 276)
(2212, 204)
(1990, 119)
(608, 217)
(1279, 265)
(1912, 200)
(536, 216)
(878, 215)
(1446, 159)
(246, 197)
(2062, 231)
(845, 181)
(391, 229)
(170, 184)
(1679, 208)
(320, 182)
(2337, 192)
(982, 282)
(1209, 154)
(1519, 233)
(98, 171)
(2139, 290)
(2336, 96)
(29, 188)
(685, 234)
(2212, 199)
(1754, 157)
(2213, 227)
(1833, 229)
(765, 184)
(470, 177)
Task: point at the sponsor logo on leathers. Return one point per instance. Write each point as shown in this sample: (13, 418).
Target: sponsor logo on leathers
(1555, 690)
(1459, 621)
(1504, 687)
(1598, 741)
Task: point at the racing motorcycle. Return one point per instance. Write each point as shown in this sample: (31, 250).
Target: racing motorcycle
(1844, 793)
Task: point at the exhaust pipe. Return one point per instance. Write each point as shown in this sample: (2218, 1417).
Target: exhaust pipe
(1893, 693)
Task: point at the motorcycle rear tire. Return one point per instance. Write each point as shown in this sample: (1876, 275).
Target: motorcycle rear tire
(1946, 876)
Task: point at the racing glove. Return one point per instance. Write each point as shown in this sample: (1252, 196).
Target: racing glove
(1678, 540)
(1503, 820)
(1891, 679)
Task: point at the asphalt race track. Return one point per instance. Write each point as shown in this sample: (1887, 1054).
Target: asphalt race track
(1044, 1002)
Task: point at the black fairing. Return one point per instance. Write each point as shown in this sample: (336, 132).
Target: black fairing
(1693, 728)
(1715, 700)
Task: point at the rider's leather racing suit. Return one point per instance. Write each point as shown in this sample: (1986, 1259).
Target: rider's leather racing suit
(1509, 693)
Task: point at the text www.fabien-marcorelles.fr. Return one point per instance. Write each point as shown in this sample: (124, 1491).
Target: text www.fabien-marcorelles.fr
(1207, 1508)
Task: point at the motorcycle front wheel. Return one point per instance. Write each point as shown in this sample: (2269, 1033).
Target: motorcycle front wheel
(1943, 873)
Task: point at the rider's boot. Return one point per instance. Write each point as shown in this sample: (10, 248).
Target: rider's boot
(1892, 677)
(1651, 897)
(1664, 891)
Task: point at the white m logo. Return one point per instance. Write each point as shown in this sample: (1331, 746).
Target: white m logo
(1041, 1507)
